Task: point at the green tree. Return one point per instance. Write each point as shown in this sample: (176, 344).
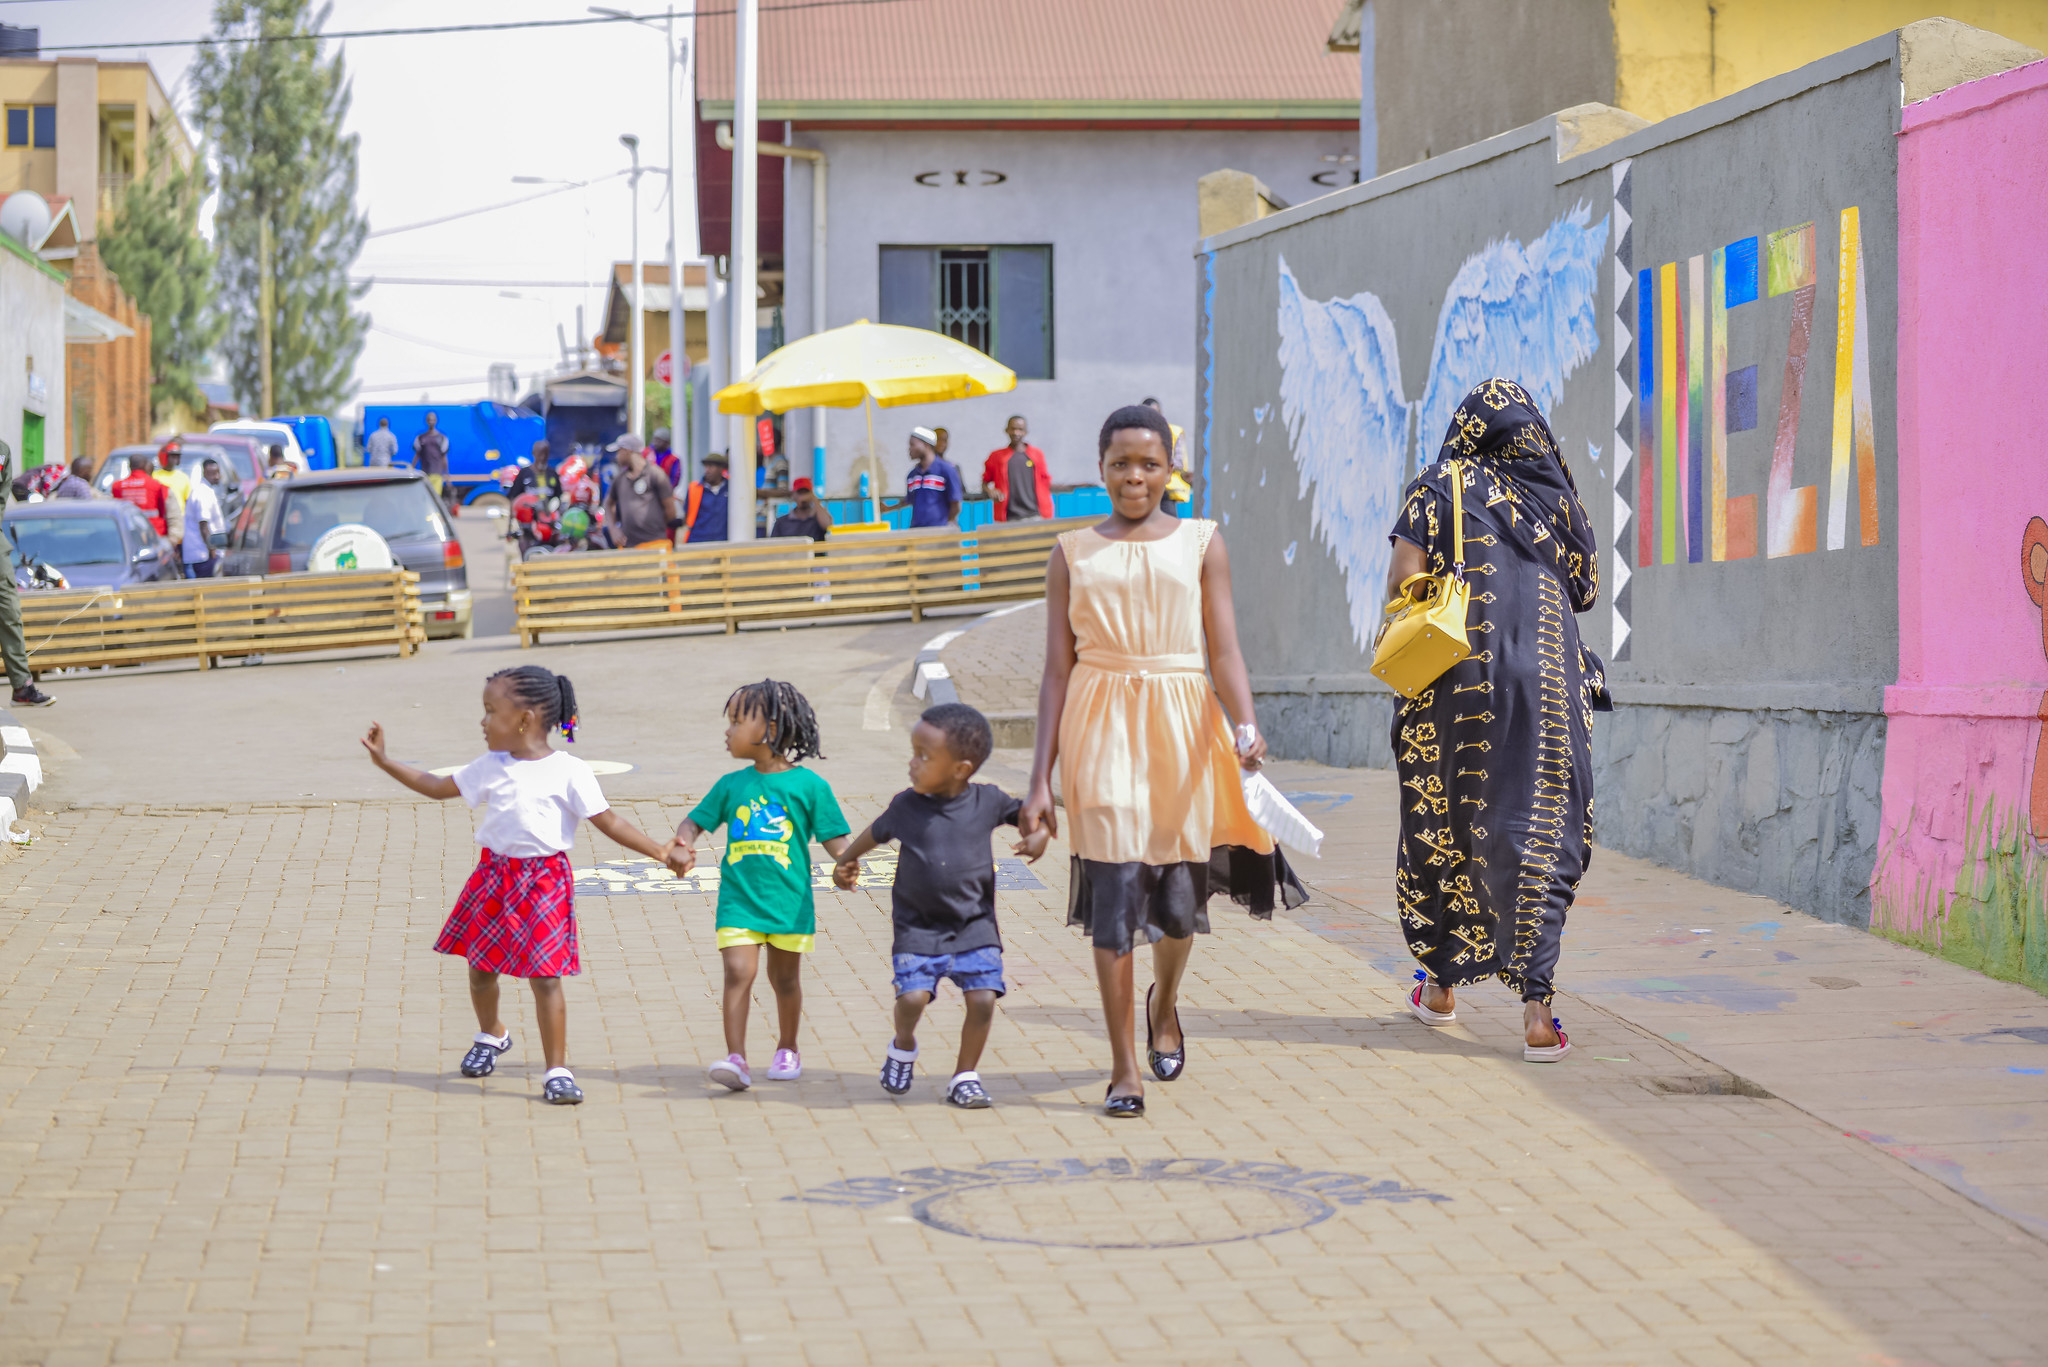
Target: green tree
(273, 102)
(154, 247)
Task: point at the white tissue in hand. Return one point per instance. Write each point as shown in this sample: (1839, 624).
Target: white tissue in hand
(1279, 817)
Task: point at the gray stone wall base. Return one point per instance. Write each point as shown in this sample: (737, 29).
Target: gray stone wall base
(1782, 803)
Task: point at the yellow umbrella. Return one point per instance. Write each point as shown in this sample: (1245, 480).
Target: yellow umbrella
(849, 365)
(866, 363)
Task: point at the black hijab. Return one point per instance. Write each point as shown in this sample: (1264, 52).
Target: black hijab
(1499, 427)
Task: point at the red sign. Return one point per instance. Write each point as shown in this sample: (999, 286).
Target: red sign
(766, 430)
(665, 367)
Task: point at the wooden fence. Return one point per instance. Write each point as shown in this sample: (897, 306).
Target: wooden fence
(785, 577)
(204, 619)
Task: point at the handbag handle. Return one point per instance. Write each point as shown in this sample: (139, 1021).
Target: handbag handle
(1457, 520)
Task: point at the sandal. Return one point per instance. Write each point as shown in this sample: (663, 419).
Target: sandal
(1121, 1107)
(1423, 1013)
(1549, 1053)
(482, 1057)
(1165, 1066)
(561, 1090)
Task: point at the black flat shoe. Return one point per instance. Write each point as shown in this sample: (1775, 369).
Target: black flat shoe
(1166, 1067)
(1122, 1107)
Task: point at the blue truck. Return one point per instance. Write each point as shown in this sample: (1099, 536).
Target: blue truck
(316, 439)
(481, 438)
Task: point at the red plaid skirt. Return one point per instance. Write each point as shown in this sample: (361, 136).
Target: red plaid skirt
(516, 916)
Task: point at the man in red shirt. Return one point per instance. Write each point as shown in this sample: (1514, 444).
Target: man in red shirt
(1015, 477)
(144, 490)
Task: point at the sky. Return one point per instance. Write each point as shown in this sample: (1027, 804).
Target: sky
(444, 123)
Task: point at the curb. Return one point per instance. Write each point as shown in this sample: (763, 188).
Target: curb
(930, 680)
(21, 773)
(1012, 730)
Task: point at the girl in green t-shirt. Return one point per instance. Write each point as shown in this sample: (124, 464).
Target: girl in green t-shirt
(772, 811)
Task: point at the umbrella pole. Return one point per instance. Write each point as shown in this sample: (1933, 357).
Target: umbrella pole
(875, 477)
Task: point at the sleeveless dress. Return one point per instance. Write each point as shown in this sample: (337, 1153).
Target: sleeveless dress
(1155, 805)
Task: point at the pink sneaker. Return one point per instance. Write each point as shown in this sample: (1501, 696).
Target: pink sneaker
(787, 1067)
(731, 1072)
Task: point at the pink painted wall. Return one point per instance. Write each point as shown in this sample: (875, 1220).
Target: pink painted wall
(1964, 718)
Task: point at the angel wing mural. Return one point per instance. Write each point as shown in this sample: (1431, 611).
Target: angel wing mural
(1526, 312)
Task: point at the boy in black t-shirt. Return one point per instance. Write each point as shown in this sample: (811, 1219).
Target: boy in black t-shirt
(944, 901)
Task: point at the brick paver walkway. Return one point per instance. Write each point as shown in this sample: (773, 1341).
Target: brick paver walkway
(231, 1131)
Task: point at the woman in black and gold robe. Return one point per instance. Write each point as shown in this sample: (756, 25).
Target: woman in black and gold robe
(1495, 758)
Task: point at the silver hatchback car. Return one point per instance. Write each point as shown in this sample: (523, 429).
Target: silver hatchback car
(282, 518)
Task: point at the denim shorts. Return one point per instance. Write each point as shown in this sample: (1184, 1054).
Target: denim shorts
(975, 970)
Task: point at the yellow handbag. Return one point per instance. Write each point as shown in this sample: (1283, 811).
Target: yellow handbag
(1422, 633)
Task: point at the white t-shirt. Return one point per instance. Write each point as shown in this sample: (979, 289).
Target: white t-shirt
(202, 506)
(533, 804)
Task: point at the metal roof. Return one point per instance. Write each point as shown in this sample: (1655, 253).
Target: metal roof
(1038, 60)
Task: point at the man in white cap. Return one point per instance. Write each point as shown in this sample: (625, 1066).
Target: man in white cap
(934, 490)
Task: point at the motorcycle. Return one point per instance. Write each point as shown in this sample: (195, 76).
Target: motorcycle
(30, 575)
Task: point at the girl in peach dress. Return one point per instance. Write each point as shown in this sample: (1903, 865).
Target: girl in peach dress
(1149, 771)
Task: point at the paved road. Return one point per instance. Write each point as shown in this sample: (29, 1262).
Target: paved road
(230, 1128)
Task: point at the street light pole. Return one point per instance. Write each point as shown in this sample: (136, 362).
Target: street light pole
(745, 297)
(678, 319)
(636, 379)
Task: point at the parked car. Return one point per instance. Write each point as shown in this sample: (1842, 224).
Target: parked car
(284, 517)
(94, 544)
(115, 466)
(269, 434)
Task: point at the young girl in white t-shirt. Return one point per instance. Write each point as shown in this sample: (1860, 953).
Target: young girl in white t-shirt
(517, 913)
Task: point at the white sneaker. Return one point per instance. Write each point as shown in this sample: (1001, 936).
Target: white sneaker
(787, 1066)
(731, 1072)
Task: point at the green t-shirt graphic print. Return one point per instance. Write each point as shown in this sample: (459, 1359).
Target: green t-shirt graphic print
(770, 820)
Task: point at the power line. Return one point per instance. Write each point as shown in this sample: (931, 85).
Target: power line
(491, 208)
(458, 28)
(494, 284)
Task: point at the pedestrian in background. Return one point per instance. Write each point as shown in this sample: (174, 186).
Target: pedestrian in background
(661, 451)
(704, 513)
(1178, 489)
(203, 519)
(641, 502)
(430, 458)
(1015, 477)
(517, 912)
(381, 446)
(77, 482)
(179, 484)
(279, 467)
(1148, 771)
(13, 642)
(933, 490)
(806, 517)
(1495, 758)
(145, 491)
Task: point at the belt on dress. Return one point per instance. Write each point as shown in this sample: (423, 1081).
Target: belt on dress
(1140, 666)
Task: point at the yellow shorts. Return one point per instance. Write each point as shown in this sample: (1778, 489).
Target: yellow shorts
(729, 936)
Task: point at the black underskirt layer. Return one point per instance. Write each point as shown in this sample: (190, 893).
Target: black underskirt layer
(1118, 903)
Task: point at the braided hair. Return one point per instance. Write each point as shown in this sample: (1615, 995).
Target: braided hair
(1134, 416)
(792, 726)
(549, 694)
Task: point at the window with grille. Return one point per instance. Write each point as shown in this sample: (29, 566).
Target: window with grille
(997, 300)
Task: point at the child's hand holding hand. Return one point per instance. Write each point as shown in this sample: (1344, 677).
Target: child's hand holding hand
(679, 857)
(1033, 844)
(374, 742)
(846, 874)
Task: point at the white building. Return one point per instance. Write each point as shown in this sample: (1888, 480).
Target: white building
(32, 327)
(1021, 177)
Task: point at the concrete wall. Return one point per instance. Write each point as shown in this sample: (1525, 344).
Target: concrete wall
(1118, 209)
(1966, 771)
(1451, 72)
(31, 341)
(1749, 666)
